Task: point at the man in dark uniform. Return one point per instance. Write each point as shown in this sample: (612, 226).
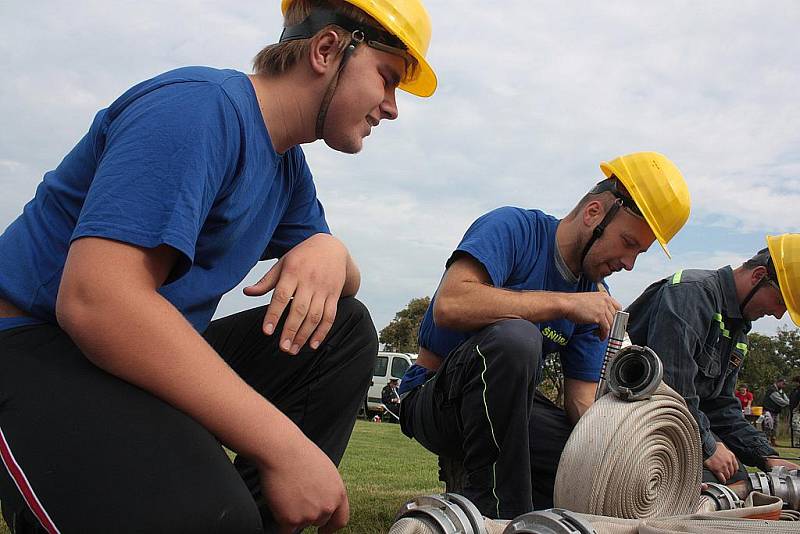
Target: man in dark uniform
(697, 322)
(774, 401)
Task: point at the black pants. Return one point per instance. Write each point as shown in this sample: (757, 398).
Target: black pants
(479, 408)
(93, 453)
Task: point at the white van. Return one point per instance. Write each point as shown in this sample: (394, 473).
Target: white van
(387, 365)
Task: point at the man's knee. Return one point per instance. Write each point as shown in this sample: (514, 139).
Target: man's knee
(516, 341)
(353, 340)
(355, 317)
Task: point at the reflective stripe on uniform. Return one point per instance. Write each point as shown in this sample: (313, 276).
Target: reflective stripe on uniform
(718, 318)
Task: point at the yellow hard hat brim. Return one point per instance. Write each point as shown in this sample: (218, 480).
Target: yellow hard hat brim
(424, 83)
(776, 252)
(609, 171)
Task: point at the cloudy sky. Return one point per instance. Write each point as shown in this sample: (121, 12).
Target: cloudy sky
(531, 98)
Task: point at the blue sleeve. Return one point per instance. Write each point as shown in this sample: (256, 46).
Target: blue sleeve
(305, 215)
(583, 357)
(165, 158)
(500, 240)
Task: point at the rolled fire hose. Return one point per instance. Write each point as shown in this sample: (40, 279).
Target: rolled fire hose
(635, 459)
(658, 475)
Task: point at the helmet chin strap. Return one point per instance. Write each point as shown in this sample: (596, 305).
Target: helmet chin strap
(326, 99)
(373, 37)
(600, 228)
(764, 279)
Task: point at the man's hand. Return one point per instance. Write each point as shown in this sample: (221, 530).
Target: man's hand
(589, 308)
(777, 462)
(722, 463)
(311, 276)
(304, 488)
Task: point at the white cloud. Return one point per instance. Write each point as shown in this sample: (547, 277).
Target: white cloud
(532, 96)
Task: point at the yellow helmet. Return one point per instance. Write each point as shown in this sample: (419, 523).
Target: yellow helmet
(785, 253)
(408, 21)
(658, 189)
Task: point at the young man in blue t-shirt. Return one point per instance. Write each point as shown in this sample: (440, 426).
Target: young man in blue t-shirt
(116, 388)
(520, 285)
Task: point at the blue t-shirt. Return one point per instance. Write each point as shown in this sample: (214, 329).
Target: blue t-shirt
(518, 249)
(185, 160)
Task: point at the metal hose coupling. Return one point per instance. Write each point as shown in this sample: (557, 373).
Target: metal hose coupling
(616, 338)
(635, 373)
(552, 521)
(780, 482)
(447, 513)
(720, 497)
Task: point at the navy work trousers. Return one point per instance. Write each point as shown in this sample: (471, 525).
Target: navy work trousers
(87, 452)
(479, 407)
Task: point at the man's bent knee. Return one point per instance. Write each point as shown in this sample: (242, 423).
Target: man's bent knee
(517, 341)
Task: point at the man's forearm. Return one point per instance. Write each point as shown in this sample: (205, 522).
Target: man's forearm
(478, 305)
(578, 397)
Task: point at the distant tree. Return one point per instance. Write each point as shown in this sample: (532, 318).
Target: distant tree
(788, 344)
(764, 361)
(401, 334)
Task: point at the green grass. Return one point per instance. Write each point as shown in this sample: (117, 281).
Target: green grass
(383, 469)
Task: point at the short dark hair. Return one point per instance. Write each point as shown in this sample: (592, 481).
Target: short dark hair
(275, 59)
(761, 259)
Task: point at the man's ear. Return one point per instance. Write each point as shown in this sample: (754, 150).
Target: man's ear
(592, 213)
(757, 274)
(324, 51)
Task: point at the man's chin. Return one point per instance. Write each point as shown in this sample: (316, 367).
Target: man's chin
(348, 146)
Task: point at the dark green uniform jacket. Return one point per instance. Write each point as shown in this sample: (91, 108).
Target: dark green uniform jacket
(693, 322)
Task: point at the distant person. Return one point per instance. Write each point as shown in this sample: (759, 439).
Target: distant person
(391, 400)
(522, 284)
(697, 322)
(794, 412)
(116, 387)
(745, 397)
(775, 400)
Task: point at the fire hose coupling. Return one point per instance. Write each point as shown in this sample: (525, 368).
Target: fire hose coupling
(615, 340)
(781, 483)
(552, 521)
(635, 373)
(722, 496)
(447, 513)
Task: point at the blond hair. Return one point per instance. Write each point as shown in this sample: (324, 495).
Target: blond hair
(278, 58)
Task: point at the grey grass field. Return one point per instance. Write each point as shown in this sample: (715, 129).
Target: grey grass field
(382, 470)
